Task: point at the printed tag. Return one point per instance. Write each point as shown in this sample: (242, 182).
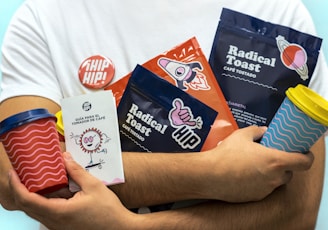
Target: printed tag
(92, 136)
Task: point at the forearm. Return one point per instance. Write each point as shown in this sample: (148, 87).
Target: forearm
(155, 178)
(270, 214)
(218, 174)
(292, 206)
(266, 214)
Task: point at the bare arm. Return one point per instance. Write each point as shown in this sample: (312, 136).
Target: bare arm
(164, 178)
(7, 108)
(237, 164)
(292, 206)
(109, 212)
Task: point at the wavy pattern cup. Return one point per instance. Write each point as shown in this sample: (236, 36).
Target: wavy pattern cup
(31, 141)
(299, 122)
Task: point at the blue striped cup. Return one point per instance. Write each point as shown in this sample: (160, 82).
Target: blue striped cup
(299, 122)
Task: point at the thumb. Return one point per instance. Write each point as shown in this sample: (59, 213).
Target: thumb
(77, 172)
(297, 161)
(177, 104)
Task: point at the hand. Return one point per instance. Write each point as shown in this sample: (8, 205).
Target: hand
(248, 171)
(182, 115)
(94, 207)
(6, 198)
(6, 195)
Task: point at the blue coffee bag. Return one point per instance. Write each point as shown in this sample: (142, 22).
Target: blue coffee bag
(156, 116)
(256, 61)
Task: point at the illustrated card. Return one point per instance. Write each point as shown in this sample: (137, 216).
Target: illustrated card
(92, 136)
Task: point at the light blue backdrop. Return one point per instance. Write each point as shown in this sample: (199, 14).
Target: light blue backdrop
(318, 9)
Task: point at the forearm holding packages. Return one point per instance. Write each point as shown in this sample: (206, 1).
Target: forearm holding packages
(186, 67)
(256, 61)
(156, 116)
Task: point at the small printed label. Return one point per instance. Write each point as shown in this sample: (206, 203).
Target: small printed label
(92, 136)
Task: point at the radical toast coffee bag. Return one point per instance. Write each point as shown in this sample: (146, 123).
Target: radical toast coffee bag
(155, 116)
(256, 61)
(186, 67)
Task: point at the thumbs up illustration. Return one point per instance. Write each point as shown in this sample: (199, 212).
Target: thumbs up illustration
(182, 115)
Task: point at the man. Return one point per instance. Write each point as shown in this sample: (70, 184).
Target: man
(44, 47)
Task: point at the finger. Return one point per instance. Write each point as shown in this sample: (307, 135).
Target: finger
(183, 112)
(185, 117)
(61, 193)
(191, 123)
(84, 179)
(297, 161)
(177, 104)
(31, 203)
(34, 205)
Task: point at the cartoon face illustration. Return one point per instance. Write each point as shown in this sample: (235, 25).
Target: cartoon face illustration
(90, 140)
(181, 72)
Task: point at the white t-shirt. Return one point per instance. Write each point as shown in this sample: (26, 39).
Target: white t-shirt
(48, 40)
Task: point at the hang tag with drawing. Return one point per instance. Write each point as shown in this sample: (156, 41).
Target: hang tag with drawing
(92, 137)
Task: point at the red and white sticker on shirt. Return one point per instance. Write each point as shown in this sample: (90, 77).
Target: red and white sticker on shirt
(96, 72)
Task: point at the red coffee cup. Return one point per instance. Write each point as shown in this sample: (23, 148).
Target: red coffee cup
(31, 141)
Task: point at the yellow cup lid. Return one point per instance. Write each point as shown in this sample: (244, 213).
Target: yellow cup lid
(309, 102)
(60, 124)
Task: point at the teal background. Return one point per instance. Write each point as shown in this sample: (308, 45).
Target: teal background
(319, 10)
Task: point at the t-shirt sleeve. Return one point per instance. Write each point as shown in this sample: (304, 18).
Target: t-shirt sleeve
(319, 81)
(27, 68)
(302, 20)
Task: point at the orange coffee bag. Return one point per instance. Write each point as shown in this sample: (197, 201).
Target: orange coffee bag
(186, 67)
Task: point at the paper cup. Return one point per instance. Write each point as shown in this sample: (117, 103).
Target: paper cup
(299, 122)
(31, 141)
